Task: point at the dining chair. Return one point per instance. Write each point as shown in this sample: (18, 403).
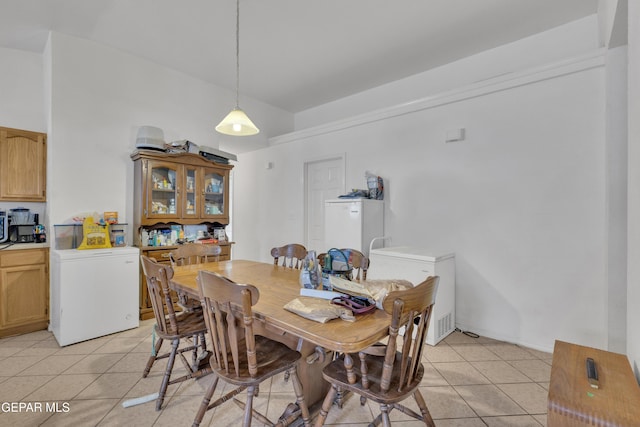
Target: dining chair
(193, 253)
(240, 357)
(187, 327)
(390, 373)
(357, 259)
(291, 252)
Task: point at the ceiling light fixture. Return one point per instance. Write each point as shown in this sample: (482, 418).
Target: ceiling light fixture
(237, 122)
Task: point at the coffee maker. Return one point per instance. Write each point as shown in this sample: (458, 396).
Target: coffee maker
(21, 225)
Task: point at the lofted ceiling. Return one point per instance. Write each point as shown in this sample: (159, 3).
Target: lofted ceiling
(294, 54)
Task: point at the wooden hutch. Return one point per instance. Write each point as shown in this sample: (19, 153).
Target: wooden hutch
(182, 190)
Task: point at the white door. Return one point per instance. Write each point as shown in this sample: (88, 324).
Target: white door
(324, 179)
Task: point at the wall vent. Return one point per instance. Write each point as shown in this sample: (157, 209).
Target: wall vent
(444, 326)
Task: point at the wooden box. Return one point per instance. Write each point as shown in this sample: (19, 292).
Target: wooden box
(573, 402)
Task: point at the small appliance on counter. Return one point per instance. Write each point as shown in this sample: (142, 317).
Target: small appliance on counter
(4, 227)
(39, 234)
(21, 225)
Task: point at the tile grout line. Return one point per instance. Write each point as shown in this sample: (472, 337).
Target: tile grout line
(491, 382)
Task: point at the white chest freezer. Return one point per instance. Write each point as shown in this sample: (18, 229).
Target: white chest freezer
(415, 265)
(93, 292)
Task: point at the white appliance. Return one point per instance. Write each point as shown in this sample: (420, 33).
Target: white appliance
(93, 292)
(415, 265)
(353, 223)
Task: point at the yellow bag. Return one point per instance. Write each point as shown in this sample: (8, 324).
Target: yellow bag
(95, 236)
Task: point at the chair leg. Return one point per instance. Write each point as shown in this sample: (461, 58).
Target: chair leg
(340, 398)
(194, 353)
(426, 415)
(376, 422)
(201, 357)
(204, 406)
(152, 358)
(167, 374)
(297, 388)
(248, 408)
(203, 340)
(326, 405)
(384, 411)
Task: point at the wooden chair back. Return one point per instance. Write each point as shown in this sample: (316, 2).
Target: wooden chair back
(289, 253)
(195, 253)
(158, 276)
(221, 297)
(359, 262)
(387, 375)
(357, 259)
(404, 306)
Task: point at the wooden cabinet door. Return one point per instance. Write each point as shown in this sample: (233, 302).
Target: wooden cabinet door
(24, 296)
(215, 195)
(24, 291)
(190, 199)
(22, 165)
(162, 190)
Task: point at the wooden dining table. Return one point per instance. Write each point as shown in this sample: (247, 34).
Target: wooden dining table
(315, 341)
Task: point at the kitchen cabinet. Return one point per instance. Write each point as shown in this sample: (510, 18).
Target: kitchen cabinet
(184, 189)
(23, 160)
(161, 254)
(24, 291)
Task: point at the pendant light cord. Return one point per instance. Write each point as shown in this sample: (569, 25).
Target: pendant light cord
(237, 54)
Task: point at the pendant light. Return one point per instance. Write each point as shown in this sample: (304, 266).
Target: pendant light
(237, 122)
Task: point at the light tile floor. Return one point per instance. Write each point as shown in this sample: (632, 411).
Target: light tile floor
(469, 382)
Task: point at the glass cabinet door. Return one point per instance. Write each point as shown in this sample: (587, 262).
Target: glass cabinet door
(190, 199)
(214, 196)
(162, 191)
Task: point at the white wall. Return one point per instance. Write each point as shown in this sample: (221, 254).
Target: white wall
(99, 98)
(616, 143)
(91, 99)
(522, 201)
(633, 287)
(22, 90)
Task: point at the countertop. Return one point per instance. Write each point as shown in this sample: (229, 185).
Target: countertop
(22, 246)
(169, 247)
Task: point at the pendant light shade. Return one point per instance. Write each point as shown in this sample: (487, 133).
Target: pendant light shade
(237, 122)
